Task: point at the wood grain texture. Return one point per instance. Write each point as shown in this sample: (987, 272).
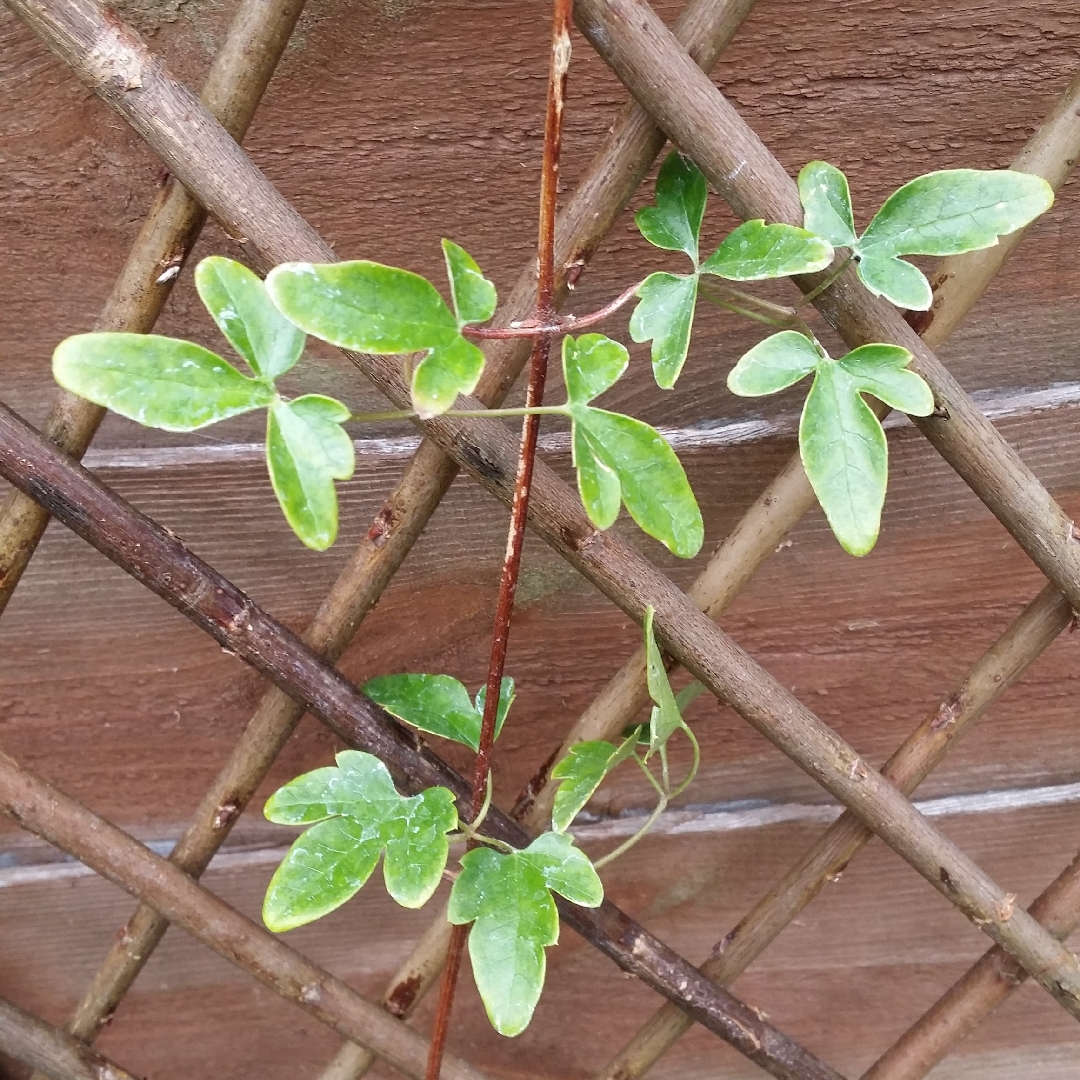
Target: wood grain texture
(389, 126)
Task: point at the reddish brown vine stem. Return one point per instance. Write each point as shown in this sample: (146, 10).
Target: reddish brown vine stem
(530, 429)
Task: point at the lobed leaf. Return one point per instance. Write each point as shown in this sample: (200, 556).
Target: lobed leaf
(360, 815)
(473, 295)
(307, 449)
(675, 221)
(845, 455)
(240, 305)
(369, 307)
(592, 364)
(881, 370)
(156, 381)
(508, 899)
(826, 200)
(756, 251)
(438, 704)
(898, 281)
(664, 316)
(958, 210)
(581, 772)
(652, 483)
(774, 364)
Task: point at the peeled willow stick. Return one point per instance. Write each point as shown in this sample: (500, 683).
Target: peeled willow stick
(705, 28)
(58, 818)
(1036, 627)
(958, 283)
(161, 562)
(224, 179)
(234, 86)
(978, 993)
(637, 45)
(50, 1051)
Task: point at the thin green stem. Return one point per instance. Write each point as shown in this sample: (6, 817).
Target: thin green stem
(813, 294)
(532, 410)
(629, 842)
(643, 766)
(696, 763)
(735, 309)
(665, 772)
(377, 417)
(778, 311)
(479, 819)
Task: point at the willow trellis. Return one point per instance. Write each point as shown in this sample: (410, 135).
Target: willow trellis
(674, 98)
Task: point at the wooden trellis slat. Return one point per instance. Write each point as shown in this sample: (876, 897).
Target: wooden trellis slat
(209, 163)
(121, 859)
(51, 1051)
(697, 117)
(1033, 630)
(162, 563)
(615, 173)
(981, 989)
(234, 86)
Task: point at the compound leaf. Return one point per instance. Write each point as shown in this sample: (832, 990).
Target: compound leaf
(958, 210)
(774, 364)
(239, 304)
(157, 381)
(438, 704)
(369, 307)
(307, 449)
(845, 456)
(898, 281)
(666, 717)
(826, 200)
(362, 816)
(756, 251)
(508, 899)
(473, 295)
(675, 221)
(881, 370)
(664, 316)
(581, 772)
(651, 479)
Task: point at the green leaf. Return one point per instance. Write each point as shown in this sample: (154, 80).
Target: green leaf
(899, 282)
(362, 815)
(666, 717)
(508, 899)
(506, 699)
(473, 295)
(438, 704)
(369, 307)
(881, 370)
(651, 479)
(307, 449)
(567, 870)
(756, 251)
(664, 316)
(581, 772)
(446, 372)
(944, 213)
(157, 381)
(845, 456)
(948, 213)
(592, 364)
(245, 314)
(598, 482)
(774, 364)
(675, 221)
(826, 200)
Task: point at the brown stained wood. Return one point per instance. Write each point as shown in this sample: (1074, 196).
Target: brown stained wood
(868, 643)
(428, 144)
(860, 964)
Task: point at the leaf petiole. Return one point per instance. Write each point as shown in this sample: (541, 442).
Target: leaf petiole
(814, 293)
(630, 841)
(694, 766)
